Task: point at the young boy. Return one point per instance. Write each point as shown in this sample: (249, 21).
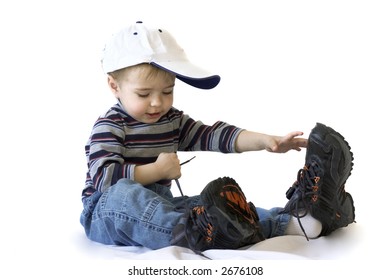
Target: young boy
(132, 161)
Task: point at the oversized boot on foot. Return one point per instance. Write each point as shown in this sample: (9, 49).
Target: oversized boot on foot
(320, 186)
(223, 220)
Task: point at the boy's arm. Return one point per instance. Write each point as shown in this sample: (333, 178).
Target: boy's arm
(254, 141)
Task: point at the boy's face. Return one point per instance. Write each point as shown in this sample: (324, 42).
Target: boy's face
(144, 97)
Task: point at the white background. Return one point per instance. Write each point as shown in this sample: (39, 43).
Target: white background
(285, 65)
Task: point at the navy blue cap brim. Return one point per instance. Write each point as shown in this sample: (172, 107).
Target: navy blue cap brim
(207, 82)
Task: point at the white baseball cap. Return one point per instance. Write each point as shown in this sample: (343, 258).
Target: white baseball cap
(138, 44)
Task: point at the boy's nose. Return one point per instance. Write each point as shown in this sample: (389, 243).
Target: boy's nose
(156, 101)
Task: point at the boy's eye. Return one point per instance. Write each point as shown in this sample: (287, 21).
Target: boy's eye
(168, 90)
(143, 95)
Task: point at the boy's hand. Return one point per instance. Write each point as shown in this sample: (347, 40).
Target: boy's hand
(168, 165)
(291, 141)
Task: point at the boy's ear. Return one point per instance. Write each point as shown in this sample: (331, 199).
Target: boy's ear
(113, 85)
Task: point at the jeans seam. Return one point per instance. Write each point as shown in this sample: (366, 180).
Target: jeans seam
(150, 210)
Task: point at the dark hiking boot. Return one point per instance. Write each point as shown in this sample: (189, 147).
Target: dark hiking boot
(320, 186)
(225, 220)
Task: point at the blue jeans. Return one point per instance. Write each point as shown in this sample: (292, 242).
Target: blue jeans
(133, 215)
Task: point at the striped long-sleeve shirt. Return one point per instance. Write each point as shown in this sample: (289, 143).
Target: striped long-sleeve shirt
(118, 143)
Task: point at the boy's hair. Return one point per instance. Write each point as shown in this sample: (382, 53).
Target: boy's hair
(148, 71)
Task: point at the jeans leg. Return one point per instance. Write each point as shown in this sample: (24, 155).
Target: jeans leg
(132, 215)
(273, 224)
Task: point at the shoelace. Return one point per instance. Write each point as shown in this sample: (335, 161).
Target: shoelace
(177, 180)
(206, 229)
(306, 185)
(202, 218)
